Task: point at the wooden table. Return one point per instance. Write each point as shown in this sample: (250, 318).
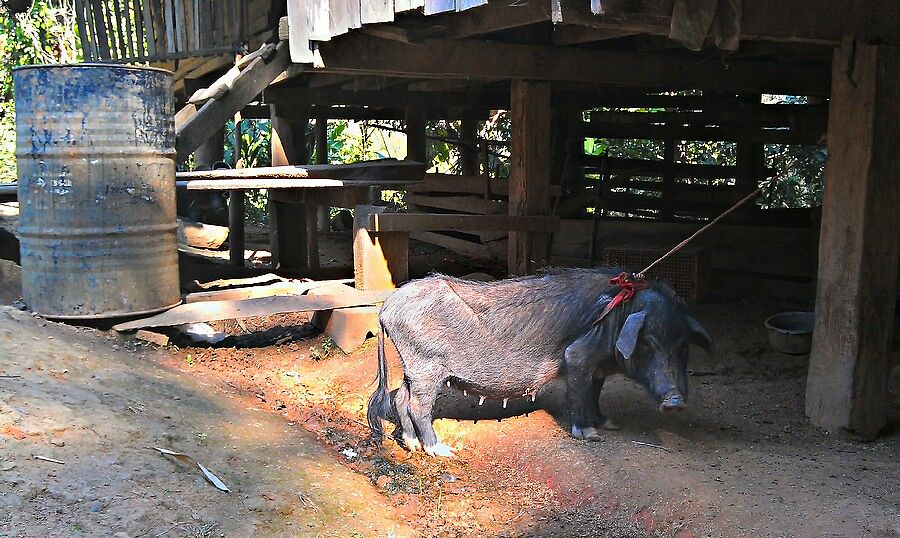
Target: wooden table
(291, 188)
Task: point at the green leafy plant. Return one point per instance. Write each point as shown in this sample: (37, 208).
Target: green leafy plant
(45, 34)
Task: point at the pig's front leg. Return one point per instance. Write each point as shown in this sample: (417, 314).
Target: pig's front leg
(581, 397)
(598, 419)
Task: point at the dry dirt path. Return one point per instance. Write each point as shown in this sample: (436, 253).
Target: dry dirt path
(78, 397)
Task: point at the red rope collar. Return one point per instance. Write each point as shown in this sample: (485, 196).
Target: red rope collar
(630, 285)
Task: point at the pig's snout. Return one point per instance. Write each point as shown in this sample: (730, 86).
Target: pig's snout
(673, 401)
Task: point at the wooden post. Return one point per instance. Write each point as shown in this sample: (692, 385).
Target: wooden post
(668, 186)
(321, 141)
(323, 212)
(290, 244)
(751, 161)
(416, 143)
(380, 259)
(236, 209)
(529, 177)
(858, 247)
(468, 134)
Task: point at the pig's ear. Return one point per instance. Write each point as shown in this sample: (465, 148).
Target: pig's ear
(700, 337)
(628, 337)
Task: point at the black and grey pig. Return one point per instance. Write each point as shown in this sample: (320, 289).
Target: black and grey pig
(508, 338)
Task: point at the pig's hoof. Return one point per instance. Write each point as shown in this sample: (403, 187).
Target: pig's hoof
(609, 424)
(439, 449)
(411, 443)
(588, 434)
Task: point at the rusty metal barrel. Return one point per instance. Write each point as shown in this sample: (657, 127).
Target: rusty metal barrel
(95, 148)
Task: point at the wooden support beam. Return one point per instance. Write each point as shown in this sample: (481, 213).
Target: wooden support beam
(468, 134)
(192, 128)
(364, 54)
(419, 222)
(288, 224)
(456, 184)
(645, 167)
(465, 204)
(416, 143)
(288, 140)
(789, 21)
(321, 132)
(603, 129)
(858, 247)
(380, 259)
(323, 213)
(529, 177)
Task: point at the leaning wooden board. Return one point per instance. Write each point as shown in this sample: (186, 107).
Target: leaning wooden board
(247, 308)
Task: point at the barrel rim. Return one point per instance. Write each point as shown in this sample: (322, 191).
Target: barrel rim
(94, 64)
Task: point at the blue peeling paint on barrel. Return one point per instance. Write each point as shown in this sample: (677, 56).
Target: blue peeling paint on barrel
(95, 149)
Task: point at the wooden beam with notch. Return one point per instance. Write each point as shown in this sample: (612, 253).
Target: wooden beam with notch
(195, 126)
(363, 54)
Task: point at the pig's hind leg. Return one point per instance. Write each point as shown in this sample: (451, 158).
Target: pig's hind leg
(401, 402)
(422, 394)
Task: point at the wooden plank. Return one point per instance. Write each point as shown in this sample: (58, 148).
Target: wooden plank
(465, 204)
(787, 21)
(529, 177)
(377, 170)
(280, 184)
(207, 311)
(372, 11)
(255, 292)
(139, 28)
(253, 79)
(433, 7)
(460, 246)
(364, 54)
(354, 13)
(102, 39)
(462, 5)
(802, 117)
(129, 29)
(318, 20)
(113, 13)
(390, 97)
(94, 52)
(418, 222)
(171, 45)
(847, 384)
(646, 167)
(195, 23)
(150, 31)
(451, 183)
(82, 23)
(691, 132)
(180, 30)
(298, 35)
(338, 23)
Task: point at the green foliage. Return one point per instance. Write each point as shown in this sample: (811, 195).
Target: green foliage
(44, 34)
(800, 170)
(255, 151)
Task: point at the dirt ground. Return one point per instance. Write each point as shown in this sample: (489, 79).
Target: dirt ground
(741, 461)
(98, 405)
(277, 412)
